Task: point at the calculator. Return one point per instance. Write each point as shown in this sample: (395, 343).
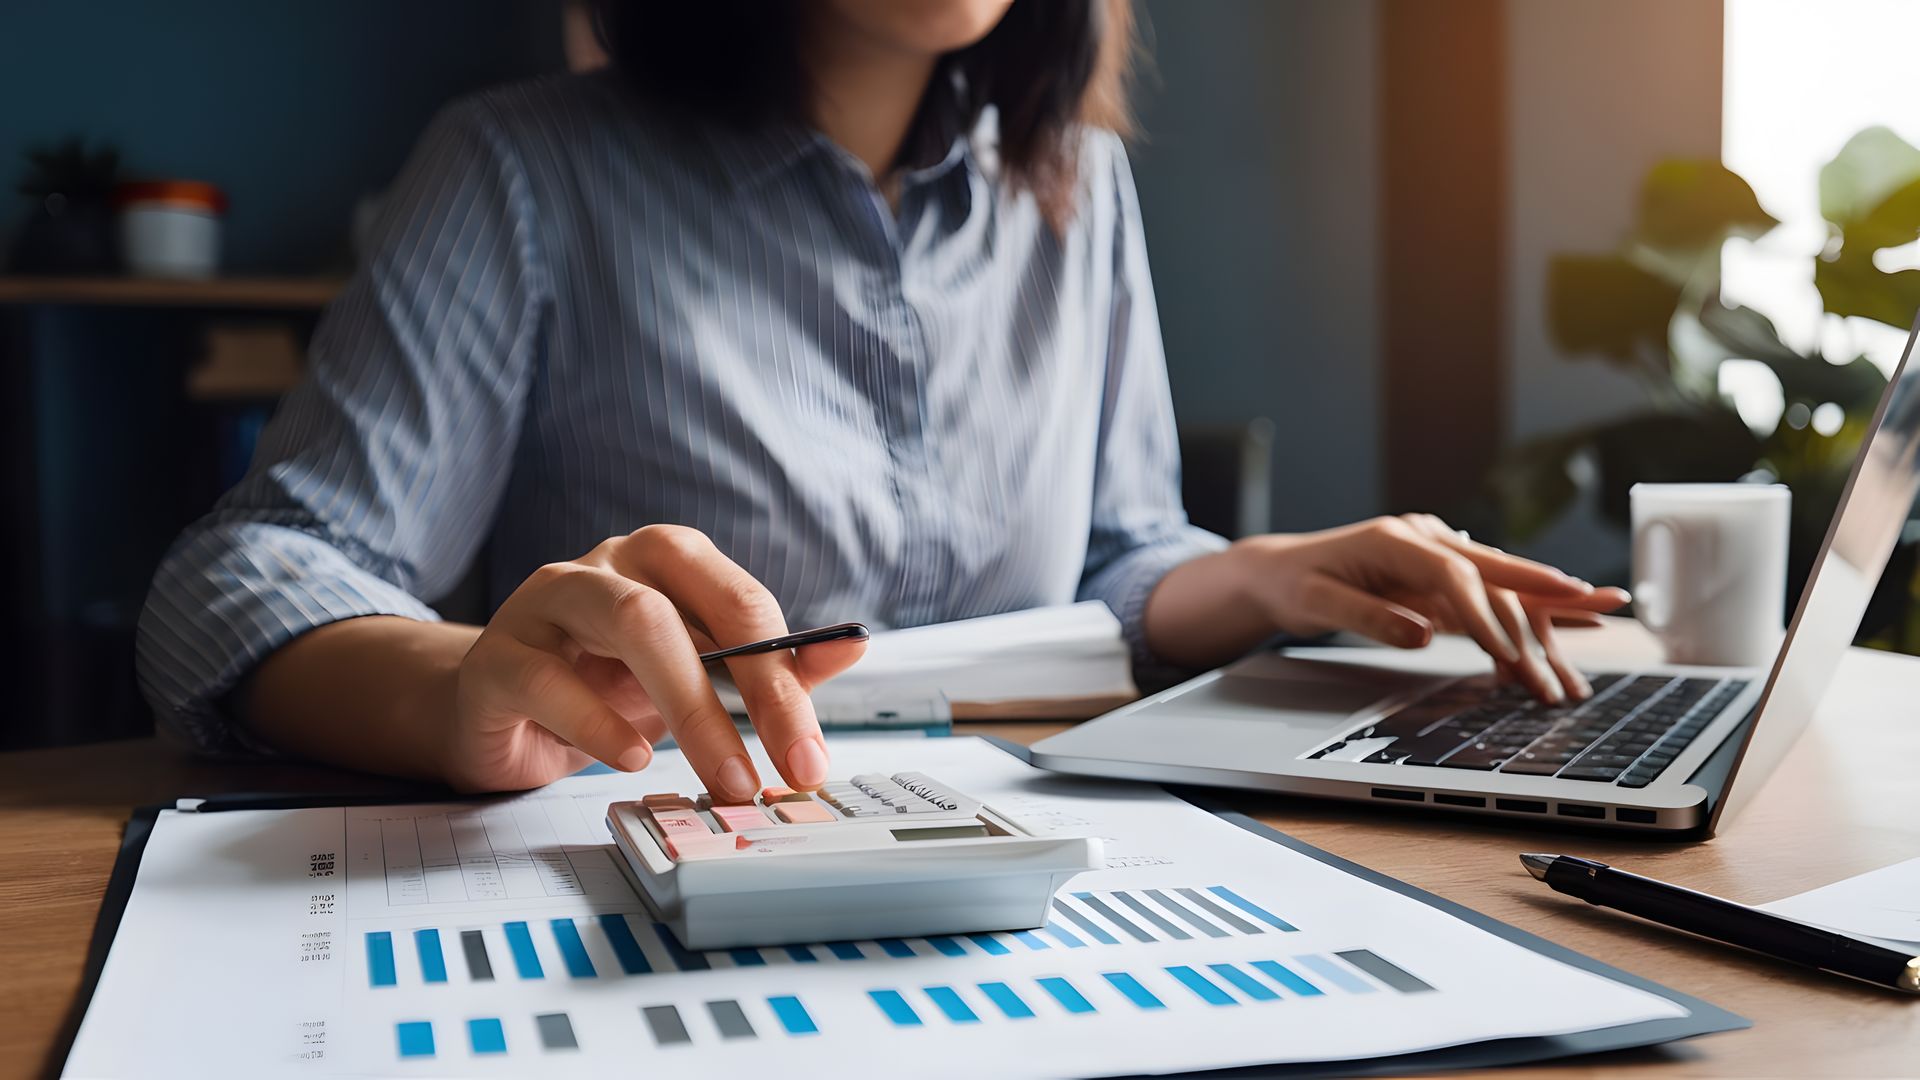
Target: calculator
(900, 855)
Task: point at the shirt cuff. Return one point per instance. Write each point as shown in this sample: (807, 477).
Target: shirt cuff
(1127, 581)
(225, 598)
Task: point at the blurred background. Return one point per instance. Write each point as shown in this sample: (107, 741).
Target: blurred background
(1495, 259)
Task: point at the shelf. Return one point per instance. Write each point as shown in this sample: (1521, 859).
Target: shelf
(282, 294)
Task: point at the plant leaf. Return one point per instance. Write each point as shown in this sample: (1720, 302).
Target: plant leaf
(1693, 204)
(1872, 165)
(1748, 335)
(1710, 444)
(1605, 304)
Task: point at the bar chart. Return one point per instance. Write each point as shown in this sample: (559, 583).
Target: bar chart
(904, 989)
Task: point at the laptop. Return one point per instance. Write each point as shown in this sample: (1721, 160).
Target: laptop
(1657, 748)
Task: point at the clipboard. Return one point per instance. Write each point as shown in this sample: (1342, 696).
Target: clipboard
(1702, 1017)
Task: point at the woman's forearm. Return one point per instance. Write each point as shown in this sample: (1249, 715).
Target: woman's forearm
(1202, 614)
(373, 693)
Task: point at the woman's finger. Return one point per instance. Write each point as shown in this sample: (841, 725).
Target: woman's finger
(1570, 677)
(735, 609)
(1502, 569)
(1575, 620)
(1532, 672)
(1328, 602)
(610, 614)
(1428, 565)
(521, 680)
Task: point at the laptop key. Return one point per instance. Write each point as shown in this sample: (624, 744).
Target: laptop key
(1588, 772)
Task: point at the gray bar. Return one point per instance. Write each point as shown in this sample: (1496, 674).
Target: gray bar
(731, 1021)
(1384, 970)
(556, 1031)
(1099, 932)
(1113, 916)
(666, 1025)
(1220, 913)
(1186, 916)
(1154, 917)
(478, 966)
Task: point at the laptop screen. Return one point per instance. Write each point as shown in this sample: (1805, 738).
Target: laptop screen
(1867, 524)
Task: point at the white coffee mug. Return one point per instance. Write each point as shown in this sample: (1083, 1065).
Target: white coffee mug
(1710, 569)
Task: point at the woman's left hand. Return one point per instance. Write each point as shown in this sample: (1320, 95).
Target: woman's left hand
(1397, 580)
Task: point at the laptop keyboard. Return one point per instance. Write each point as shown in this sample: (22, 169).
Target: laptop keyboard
(1627, 732)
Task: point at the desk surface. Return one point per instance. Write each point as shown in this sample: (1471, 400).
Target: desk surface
(61, 812)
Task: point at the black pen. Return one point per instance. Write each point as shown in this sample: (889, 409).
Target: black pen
(1724, 920)
(846, 631)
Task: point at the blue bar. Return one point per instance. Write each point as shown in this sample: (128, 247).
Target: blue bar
(1064, 993)
(992, 944)
(416, 1038)
(625, 948)
(895, 947)
(380, 958)
(1251, 908)
(1009, 1002)
(572, 949)
(957, 1011)
(800, 954)
(1200, 985)
(946, 946)
(1030, 939)
(1131, 987)
(895, 1007)
(1337, 975)
(747, 957)
(1283, 975)
(682, 958)
(1066, 936)
(846, 950)
(486, 1036)
(433, 965)
(1246, 983)
(793, 1015)
(525, 960)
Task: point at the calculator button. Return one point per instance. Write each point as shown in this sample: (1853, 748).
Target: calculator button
(677, 822)
(736, 818)
(667, 800)
(682, 846)
(803, 813)
(775, 794)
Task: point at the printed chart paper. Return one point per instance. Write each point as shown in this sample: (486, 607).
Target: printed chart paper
(504, 938)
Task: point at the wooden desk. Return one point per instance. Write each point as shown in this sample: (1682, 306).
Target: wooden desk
(61, 813)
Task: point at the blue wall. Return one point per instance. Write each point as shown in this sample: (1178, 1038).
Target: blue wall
(1258, 182)
(296, 109)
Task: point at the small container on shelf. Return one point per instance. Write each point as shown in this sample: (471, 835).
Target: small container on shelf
(171, 228)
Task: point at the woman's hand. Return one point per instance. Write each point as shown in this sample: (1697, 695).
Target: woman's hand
(1396, 580)
(597, 659)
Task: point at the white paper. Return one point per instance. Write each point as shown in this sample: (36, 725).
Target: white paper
(246, 950)
(1040, 654)
(1883, 905)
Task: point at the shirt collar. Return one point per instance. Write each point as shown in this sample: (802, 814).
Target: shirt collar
(749, 157)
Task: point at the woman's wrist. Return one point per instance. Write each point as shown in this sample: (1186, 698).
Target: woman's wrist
(1209, 610)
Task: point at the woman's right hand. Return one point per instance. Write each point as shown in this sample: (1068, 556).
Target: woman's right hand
(598, 658)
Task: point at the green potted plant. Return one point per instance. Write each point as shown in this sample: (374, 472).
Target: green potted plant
(1653, 308)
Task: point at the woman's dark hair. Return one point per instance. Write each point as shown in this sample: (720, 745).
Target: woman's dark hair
(1048, 67)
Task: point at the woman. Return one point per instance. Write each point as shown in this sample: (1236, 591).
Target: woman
(821, 310)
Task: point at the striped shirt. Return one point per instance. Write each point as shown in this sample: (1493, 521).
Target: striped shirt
(577, 320)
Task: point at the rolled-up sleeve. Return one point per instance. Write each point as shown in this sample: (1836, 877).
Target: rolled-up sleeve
(378, 478)
(1140, 530)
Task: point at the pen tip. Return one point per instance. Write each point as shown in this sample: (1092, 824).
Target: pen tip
(1537, 864)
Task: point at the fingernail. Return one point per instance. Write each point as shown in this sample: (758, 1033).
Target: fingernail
(736, 779)
(807, 763)
(634, 759)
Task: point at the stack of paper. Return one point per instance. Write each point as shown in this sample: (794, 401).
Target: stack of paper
(1066, 662)
(1882, 906)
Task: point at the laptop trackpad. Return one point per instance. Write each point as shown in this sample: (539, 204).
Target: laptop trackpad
(1309, 696)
